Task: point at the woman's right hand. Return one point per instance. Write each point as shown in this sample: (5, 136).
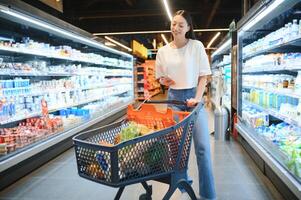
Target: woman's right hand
(166, 81)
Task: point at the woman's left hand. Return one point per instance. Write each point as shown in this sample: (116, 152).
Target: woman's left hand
(192, 102)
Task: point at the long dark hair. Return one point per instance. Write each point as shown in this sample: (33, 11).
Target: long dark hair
(190, 34)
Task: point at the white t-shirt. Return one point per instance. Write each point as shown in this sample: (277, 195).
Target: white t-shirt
(183, 65)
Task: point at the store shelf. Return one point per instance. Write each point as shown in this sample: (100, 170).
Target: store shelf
(274, 164)
(48, 142)
(40, 53)
(54, 109)
(285, 92)
(279, 68)
(54, 74)
(63, 90)
(24, 73)
(273, 113)
(114, 75)
(287, 47)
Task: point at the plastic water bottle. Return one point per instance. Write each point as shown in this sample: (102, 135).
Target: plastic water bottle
(295, 28)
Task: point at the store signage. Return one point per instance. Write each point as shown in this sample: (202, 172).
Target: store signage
(56, 4)
(139, 50)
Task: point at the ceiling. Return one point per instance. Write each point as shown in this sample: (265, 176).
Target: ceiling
(106, 16)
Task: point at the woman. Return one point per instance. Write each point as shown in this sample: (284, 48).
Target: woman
(183, 66)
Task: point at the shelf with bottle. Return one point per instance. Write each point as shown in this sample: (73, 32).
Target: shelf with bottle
(10, 114)
(35, 129)
(269, 72)
(43, 50)
(146, 82)
(44, 68)
(273, 62)
(284, 92)
(275, 113)
(56, 80)
(282, 40)
(280, 138)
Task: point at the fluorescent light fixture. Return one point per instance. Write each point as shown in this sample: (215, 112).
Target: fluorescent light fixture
(56, 29)
(6, 39)
(167, 9)
(261, 15)
(118, 43)
(211, 29)
(154, 32)
(221, 48)
(164, 38)
(110, 44)
(213, 39)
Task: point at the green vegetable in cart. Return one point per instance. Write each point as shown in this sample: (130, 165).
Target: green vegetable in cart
(132, 131)
(157, 155)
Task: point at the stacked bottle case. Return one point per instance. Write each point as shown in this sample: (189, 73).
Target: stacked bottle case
(269, 81)
(55, 81)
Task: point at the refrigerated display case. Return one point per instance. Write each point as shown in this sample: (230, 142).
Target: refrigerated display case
(269, 95)
(221, 74)
(55, 81)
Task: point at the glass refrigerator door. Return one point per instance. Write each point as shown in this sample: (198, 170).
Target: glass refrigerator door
(269, 65)
(54, 82)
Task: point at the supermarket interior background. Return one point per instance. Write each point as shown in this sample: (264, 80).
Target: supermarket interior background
(69, 69)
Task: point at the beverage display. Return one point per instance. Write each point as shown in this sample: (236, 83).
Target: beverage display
(55, 92)
(270, 96)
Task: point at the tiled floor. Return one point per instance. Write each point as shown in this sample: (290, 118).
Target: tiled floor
(236, 178)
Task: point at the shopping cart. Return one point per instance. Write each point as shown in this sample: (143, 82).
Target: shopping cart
(161, 156)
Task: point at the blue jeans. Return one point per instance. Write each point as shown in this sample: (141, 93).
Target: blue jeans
(201, 142)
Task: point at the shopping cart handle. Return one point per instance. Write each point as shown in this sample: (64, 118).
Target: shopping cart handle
(175, 102)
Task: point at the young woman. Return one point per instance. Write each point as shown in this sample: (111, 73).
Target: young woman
(183, 66)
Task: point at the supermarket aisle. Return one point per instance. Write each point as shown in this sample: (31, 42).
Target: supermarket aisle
(236, 176)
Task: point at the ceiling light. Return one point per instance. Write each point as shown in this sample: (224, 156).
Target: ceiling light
(58, 30)
(154, 32)
(222, 47)
(110, 44)
(167, 9)
(118, 43)
(164, 38)
(261, 15)
(213, 39)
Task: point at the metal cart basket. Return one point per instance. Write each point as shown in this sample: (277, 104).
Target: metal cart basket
(161, 156)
